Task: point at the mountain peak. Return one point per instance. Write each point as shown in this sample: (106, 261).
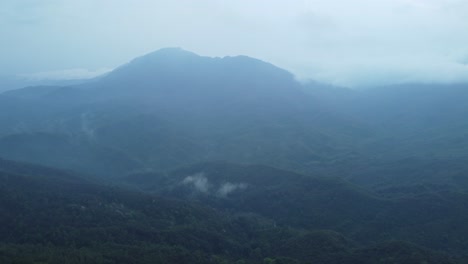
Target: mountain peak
(169, 52)
(165, 55)
(170, 66)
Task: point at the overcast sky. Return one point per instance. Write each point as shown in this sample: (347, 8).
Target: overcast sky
(344, 42)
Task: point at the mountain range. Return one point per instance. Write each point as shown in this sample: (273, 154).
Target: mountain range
(185, 158)
(194, 109)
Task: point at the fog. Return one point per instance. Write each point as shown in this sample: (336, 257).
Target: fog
(211, 131)
(349, 43)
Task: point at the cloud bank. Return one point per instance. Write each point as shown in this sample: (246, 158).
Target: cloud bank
(351, 43)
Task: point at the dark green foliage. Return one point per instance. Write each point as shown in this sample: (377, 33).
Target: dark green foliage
(398, 252)
(49, 216)
(433, 219)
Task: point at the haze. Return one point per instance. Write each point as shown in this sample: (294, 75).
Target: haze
(349, 43)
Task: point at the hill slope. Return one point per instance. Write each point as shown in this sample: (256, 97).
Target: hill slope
(300, 201)
(56, 217)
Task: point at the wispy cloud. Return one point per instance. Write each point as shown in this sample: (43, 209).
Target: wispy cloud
(68, 74)
(200, 183)
(227, 188)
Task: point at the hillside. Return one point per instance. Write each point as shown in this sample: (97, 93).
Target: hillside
(53, 216)
(308, 202)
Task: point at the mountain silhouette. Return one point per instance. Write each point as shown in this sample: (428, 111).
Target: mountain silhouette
(173, 107)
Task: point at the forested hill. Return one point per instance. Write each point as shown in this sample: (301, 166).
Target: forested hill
(53, 217)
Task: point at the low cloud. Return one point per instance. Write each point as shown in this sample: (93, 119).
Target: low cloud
(228, 188)
(198, 181)
(68, 74)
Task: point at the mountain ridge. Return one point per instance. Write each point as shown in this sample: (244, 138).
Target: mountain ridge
(233, 108)
(199, 111)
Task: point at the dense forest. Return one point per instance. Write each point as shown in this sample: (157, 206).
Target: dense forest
(179, 158)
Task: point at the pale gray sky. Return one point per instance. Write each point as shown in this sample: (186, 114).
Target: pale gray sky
(344, 42)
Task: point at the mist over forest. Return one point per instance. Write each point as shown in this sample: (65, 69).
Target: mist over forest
(310, 133)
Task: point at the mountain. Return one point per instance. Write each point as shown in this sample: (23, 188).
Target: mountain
(172, 71)
(13, 82)
(172, 108)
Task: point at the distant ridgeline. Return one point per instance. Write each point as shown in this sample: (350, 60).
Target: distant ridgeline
(180, 158)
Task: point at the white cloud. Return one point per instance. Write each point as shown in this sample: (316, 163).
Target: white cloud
(360, 42)
(201, 184)
(198, 181)
(227, 188)
(69, 74)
